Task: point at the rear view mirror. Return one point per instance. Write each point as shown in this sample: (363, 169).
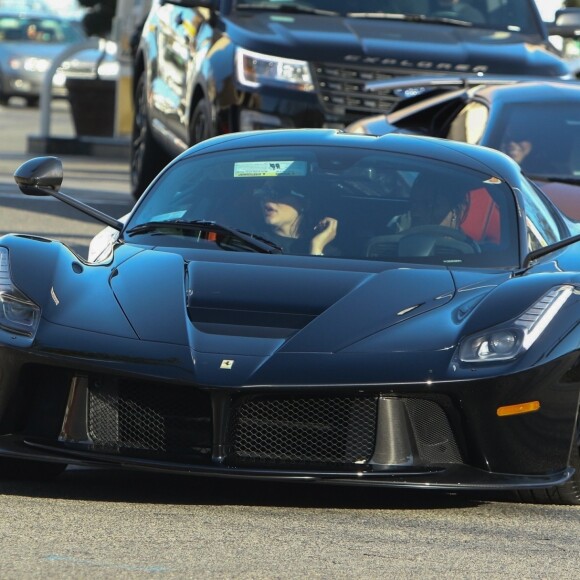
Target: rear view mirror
(43, 176)
(566, 23)
(36, 176)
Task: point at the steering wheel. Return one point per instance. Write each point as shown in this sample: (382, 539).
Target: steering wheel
(422, 240)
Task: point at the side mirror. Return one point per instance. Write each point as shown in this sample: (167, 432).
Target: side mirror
(43, 176)
(566, 23)
(37, 175)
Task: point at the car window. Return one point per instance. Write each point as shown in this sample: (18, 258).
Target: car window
(550, 133)
(453, 216)
(508, 15)
(543, 228)
(39, 30)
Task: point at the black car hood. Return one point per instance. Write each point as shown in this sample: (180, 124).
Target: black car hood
(257, 308)
(262, 318)
(394, 44)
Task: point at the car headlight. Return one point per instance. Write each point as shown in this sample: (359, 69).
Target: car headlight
(31, 64)
(59, 79)
(15, 63)
(109, 70)
(255, 69)
(18, 314)
(37, 64)
(101, 246)
(508, 341)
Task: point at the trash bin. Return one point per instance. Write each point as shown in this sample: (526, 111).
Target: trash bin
(92, 102)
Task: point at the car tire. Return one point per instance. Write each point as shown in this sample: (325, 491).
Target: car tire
(201, 125)
(32, 102)
(30, 470)
(566, 494)
(147, 156)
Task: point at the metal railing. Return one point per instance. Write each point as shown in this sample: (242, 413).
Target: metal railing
(46, 94)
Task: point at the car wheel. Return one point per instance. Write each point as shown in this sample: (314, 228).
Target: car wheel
(32, 102)
(23, 469)
(200, 126)
(4, 100)
(147, 156)
(566, 494)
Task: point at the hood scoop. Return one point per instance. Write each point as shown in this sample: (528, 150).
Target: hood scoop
(259, 301)
(250, 323)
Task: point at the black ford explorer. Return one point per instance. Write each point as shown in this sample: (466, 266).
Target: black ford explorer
(206, 67)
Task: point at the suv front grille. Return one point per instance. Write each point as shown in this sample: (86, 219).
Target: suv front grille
(342, 89)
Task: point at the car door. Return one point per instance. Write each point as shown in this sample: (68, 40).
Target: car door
(176, 34)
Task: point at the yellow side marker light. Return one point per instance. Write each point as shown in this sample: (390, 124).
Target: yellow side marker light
(518, 409)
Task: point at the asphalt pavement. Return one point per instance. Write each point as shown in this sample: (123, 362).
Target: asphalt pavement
(95, 524)
(103, 178)
(99, 181)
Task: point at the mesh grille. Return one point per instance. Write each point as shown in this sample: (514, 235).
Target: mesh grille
(342, 89)
(150, 418)
(340, 432)
(433, 435)
(304, 430)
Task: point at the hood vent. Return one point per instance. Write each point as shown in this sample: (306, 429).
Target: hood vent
(252, 323)
(272, 301)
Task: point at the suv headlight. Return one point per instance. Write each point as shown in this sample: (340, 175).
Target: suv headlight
(255, 69)
(18, 314)
(508, 341)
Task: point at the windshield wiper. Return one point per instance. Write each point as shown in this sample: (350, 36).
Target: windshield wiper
(535, 254)
(295, 8)
(253, 241)
(410, 18)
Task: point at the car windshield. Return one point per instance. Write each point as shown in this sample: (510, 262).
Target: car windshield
(548, 147)
(42, 30)
(506, 15)
(337, 201)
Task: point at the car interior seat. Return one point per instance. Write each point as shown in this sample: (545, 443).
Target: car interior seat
(482, 222)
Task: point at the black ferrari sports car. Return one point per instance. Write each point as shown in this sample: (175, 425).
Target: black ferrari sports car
(306, 305)
(535, 121)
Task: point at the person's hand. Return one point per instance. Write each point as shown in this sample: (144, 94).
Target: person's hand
(325, 232)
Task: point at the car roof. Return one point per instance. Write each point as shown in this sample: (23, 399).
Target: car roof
(478, 158)
(529, 91)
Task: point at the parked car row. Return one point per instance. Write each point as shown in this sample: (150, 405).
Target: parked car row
(29, 43)
(206, 67)
(537, 123)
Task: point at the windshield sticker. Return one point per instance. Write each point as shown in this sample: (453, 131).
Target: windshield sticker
(172, 215)
(270, 168)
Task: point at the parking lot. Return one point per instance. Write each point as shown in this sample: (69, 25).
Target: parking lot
(99, 181)
(94, 522)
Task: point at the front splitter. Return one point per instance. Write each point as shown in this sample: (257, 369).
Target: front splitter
(452, 478)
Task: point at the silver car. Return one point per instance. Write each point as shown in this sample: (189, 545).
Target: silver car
(28, 44)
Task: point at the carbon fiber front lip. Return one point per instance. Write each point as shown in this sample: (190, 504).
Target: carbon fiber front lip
(456, 477)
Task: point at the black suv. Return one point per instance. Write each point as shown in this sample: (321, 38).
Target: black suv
(205, 67)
